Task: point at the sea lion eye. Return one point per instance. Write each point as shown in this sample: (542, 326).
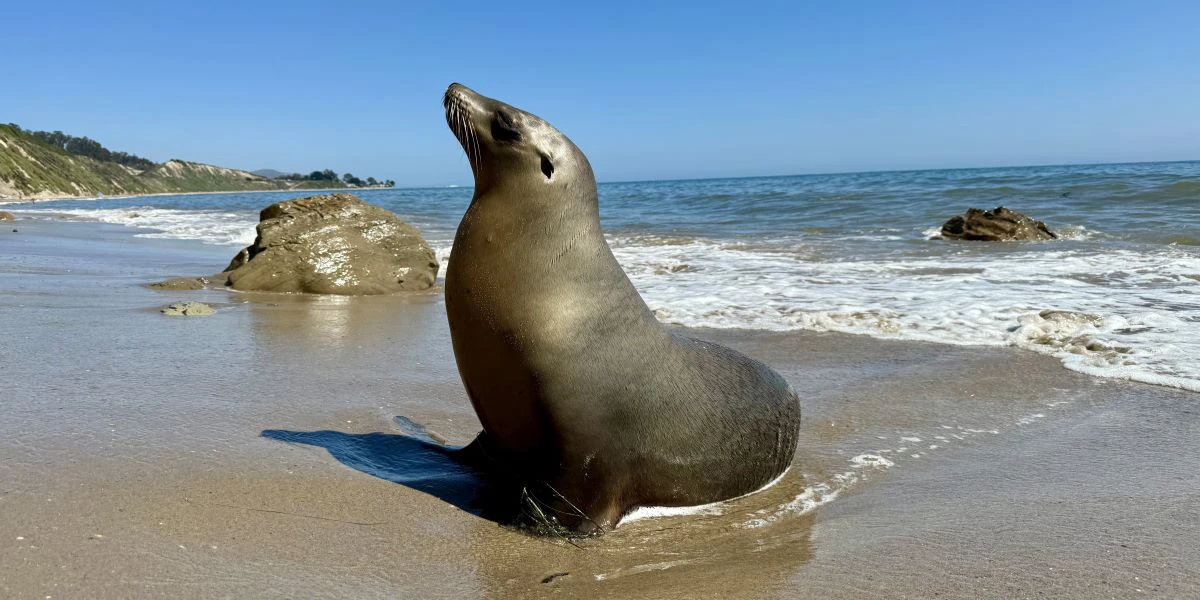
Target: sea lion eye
(504, 129)
(547, 166)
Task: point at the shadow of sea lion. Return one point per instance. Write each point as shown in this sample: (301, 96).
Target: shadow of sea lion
(689, 556)
(416, 459)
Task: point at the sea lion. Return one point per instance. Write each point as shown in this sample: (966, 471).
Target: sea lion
(585, 398)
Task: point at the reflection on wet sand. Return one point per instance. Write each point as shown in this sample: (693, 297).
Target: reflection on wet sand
(336, 323)
(398, 345)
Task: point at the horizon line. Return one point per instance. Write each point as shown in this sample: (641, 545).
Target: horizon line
(826, 173)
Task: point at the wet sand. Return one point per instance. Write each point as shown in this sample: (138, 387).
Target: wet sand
(253, 453)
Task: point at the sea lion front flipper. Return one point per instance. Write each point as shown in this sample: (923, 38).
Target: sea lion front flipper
(476, 455)
(419, 431)
(479, 454)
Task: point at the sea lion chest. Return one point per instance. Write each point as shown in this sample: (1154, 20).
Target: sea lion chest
(508, 307)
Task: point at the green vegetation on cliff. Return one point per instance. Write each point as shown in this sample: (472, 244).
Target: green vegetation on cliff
(86, 146)
(39, 164)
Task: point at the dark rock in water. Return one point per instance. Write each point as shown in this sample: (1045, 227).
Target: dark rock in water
(996, 225)
(180, 283)
(335, 244)
(7, 216)
(187, 309)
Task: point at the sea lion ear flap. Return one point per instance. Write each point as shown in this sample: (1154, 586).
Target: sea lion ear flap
(547, 166)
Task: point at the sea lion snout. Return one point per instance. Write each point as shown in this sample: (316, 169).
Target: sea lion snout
(458, 92)
(456, 87)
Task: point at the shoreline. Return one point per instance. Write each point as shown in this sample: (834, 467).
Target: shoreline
(1073, 361)
(31, 200)
(253, 453)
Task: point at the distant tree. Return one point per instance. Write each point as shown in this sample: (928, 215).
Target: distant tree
(88, 147)
(348, 178)
(389, 183)
(85, 146)
(372, 181)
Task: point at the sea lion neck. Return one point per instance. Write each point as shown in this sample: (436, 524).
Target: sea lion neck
(513, 211)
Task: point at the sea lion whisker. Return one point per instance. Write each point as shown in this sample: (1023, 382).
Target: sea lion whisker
(478, 153)
(474, 137)
(469, 132)
(462, 131)
(543, 524)
(460, 124)
(579, 511)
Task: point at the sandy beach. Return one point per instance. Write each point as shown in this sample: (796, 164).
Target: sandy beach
(254, 453)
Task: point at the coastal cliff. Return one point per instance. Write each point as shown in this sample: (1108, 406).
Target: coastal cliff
(33, 168)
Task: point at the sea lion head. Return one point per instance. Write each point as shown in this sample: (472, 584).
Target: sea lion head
(502, 141)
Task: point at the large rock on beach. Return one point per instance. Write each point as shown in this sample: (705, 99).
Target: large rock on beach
(7, 216)
(996, 225)
(334, 244)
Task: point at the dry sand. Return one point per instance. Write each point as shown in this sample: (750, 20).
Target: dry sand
(253, 453)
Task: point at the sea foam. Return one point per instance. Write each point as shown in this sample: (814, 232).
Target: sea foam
(208, 226)
(1110, 311)
(1129, 314)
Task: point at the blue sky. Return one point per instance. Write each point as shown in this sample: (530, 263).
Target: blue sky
(648, 91)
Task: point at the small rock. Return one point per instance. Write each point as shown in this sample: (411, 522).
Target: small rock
(180, 283)
(188, 309)
(997, 225)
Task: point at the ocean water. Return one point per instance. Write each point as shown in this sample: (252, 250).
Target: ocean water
(1117, 296)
